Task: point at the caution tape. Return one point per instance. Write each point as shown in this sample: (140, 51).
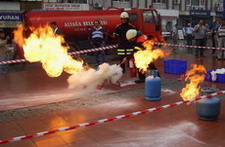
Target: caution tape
(188, 46)
(44, 133)
(115, 46)
(94, 50)
(71, 53)
(14, 61)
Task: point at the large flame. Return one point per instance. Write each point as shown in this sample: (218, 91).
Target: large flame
(44, 46)
(196, 75)
(144, 57)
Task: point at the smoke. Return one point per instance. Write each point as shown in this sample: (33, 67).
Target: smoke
(87, 80)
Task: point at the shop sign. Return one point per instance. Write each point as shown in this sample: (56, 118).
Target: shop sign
(200, 12)
(10, 20)
(65, 6)
(9, 24)
(219, 14)
(10, 17)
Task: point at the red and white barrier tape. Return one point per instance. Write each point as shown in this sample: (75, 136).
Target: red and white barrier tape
(188, 46)
(13, 61)
(107, 119)
(112, 47)
(94, 50)
(71, 53)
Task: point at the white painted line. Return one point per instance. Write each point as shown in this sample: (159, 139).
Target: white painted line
(127, 83)
(168, 91)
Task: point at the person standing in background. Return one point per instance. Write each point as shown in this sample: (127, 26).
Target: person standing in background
(213, 27)
(3, 51)
(97, 38)
(221, 40)
(175, 34)
(189, 32)
(207, 34)
(200, 34)
(56, 29)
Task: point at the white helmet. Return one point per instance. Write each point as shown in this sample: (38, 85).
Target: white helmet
(131, 34)
(124, 15)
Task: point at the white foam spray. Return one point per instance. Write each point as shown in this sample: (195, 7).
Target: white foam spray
(88, 80)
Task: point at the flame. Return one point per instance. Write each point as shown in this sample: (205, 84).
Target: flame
(19, 33)
(144, 57)
(46, 47)
(196, 76)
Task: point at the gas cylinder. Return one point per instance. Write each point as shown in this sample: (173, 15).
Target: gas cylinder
(153, 86)
(208, 108)
(132, 68)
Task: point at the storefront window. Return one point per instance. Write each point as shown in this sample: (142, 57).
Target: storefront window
(78, 1)
(195, 2)
(188, 2)
(31, 0)
(159, 1)
(122, 0)
(176, 2)
(63, 1)
(202, 2)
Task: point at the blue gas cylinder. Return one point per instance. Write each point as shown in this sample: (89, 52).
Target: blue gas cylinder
(208, 108)
(153, 87)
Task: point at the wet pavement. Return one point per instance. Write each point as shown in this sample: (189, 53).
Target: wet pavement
(32, 102)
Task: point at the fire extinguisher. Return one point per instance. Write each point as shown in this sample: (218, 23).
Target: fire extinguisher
(132, 68)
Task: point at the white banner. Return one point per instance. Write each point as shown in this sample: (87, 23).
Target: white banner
(65, 6)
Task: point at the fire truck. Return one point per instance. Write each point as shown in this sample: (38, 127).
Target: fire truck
(76, 24)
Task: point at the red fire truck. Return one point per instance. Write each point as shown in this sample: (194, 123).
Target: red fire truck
(76, 24)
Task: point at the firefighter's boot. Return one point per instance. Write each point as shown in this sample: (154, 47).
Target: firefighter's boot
(141, 77)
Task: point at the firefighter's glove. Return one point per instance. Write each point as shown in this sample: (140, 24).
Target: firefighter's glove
(124, 60)
(138, 48)
(115, 34)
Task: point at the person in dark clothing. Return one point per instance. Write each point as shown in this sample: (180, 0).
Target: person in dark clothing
(97, 38)
(189, 32)
(213, 27)
(137, 39)
(125, 47)
(221, 40)
(3, 51)
(55, 28)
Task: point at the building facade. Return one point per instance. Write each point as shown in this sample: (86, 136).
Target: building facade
(172, 11)
(189, 11)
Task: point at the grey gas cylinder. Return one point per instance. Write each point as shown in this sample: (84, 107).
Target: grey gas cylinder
(208, 108)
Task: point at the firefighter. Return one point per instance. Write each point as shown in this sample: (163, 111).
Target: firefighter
(125, 47)
(137, 39)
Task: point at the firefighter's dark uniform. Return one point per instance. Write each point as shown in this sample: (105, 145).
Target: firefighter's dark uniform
(125, 47)
(140, 39)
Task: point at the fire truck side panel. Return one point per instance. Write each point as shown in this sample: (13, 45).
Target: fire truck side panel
(75, 24)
